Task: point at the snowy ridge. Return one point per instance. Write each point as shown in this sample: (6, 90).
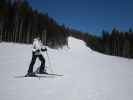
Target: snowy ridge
(88, 75)
(74, 43)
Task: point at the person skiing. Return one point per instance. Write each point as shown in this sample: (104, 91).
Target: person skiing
(37, 53)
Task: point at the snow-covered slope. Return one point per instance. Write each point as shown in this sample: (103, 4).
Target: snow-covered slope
(88, 75)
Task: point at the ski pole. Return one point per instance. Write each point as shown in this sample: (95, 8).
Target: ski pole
(50, 65)
(47, 52)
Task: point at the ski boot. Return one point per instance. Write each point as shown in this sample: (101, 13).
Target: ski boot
(42, 72)
(32, 74)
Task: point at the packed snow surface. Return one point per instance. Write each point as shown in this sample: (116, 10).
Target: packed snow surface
(88, 75)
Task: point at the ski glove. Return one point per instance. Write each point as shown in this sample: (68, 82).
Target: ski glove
(38, 50)
(44, 49)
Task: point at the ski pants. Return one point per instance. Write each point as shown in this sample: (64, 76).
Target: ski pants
(33, 60)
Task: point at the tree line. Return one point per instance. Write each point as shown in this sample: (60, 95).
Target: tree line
(20, 23)
(118, 43)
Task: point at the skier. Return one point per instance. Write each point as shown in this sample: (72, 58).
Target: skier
(37, 53)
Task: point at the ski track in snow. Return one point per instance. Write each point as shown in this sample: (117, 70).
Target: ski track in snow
(88, 75)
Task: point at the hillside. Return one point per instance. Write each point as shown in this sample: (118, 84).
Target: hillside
(88, 75)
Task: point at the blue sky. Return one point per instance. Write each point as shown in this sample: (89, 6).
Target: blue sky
(89, 15)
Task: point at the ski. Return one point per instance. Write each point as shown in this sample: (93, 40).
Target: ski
(37, 73)
(49, 74)
(39, 76)
(23, 76)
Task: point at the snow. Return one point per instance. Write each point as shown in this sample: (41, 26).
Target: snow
(88, 75)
